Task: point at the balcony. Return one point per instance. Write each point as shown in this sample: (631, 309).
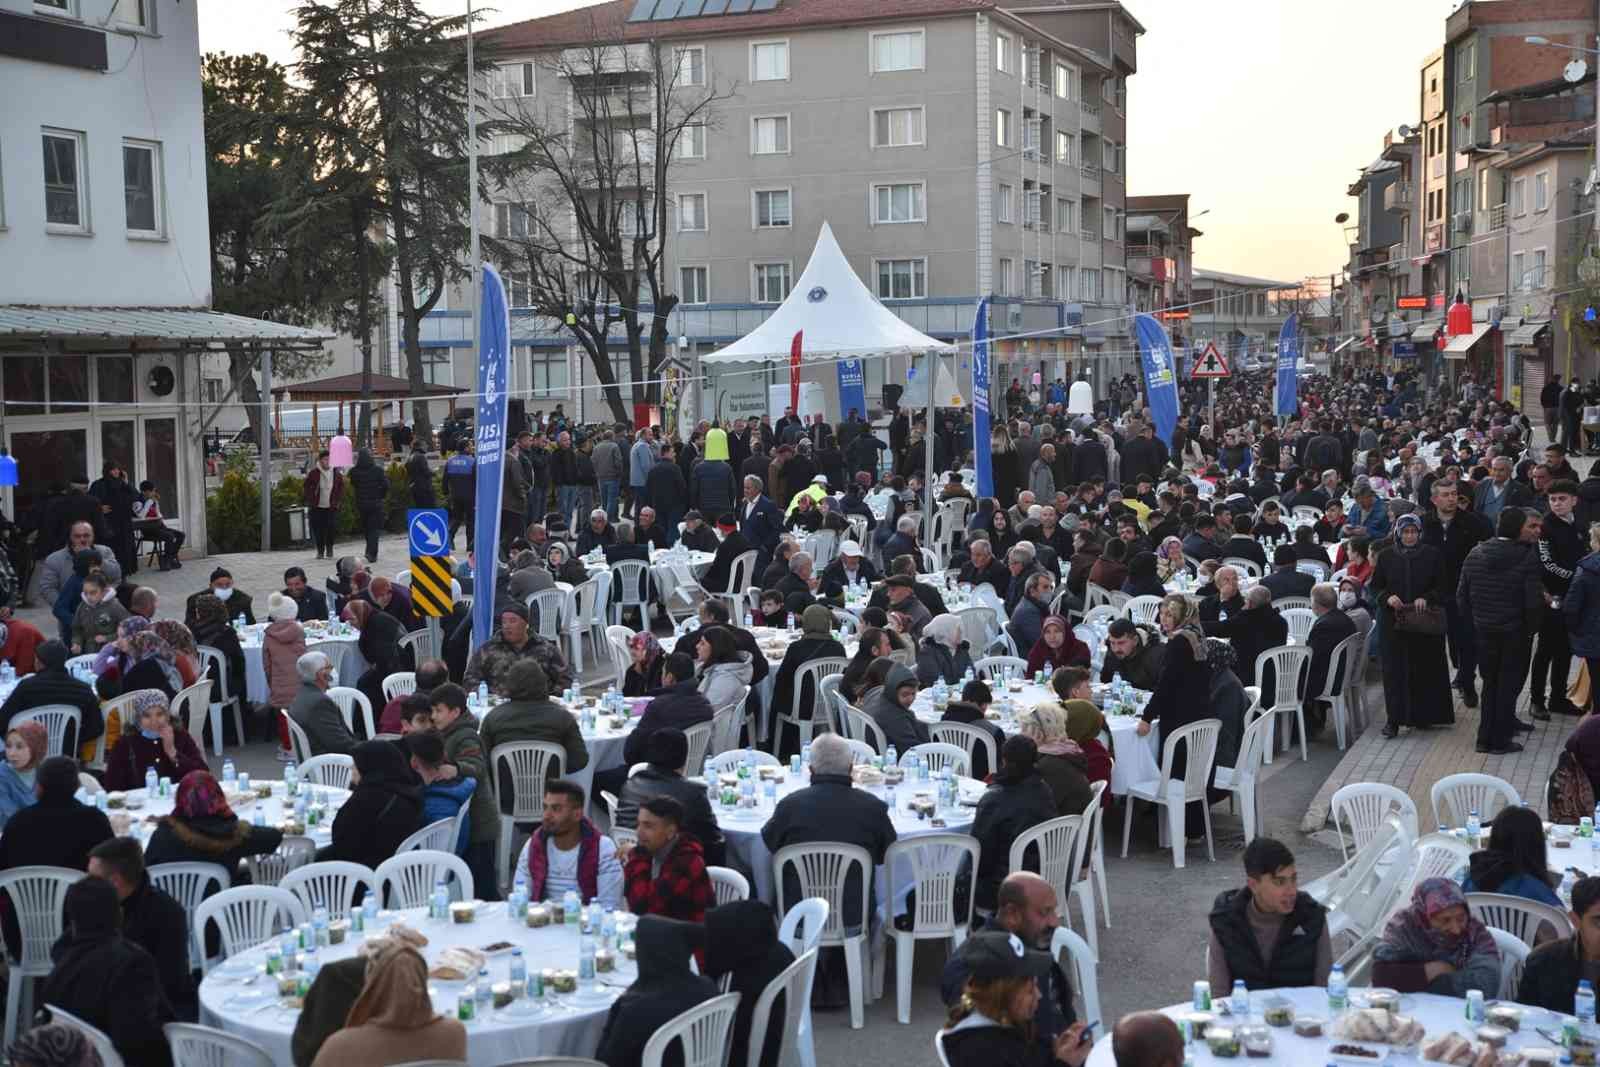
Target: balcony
(1400, 197)
(1146, 266)
(1091, 116)
(1497, 217)
(1091, 180)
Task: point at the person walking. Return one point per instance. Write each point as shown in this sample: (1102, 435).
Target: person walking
(461, 485)
(1501, 592)
(371, 487)
(420, 475)
(1455, 533)
(1408, 585)
(608, 471)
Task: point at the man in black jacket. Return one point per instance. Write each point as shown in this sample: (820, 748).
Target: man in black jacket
(664, 752)
(1324, 452)
(1501, 592)
(1561, 545)
(313, 603)
(1284, 580)
(1270, 911)
(981, 566)
(849, 567)
(1455, 533)
(1251, 632)
(1552, 973)
(734, 545)
(371, 487)
(51, 684)
(1332, 626)
(150, 919)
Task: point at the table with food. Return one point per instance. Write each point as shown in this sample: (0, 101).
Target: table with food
(605, 720)
(296, 807)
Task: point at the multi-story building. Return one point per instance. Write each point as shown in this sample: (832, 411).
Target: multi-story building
(958, 150)
(1241, 315)
(1370, 288)
(1161, 260)
(103, 226)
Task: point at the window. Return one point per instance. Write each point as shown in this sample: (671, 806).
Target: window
(1063, 146)
(688, 66)
(692, 141)
(1032, 206)
(56, 7)
(1064, 219)
(896, 127)
(1541, 190)
(518, 291)
(1002, 127)
(1110, 156)
(1003, 206)
(1064, 281)
(691, 212)
(1109, 229)
(547, 372)
(897, 50)
(636, 218)
(1030, 277)
(1031, 130)
(1063, 84)
(1464, 64)
(902, 279)
(1089, 283)
(65, 205)
(1003, 61)
(769, 61)
(769, 135)
(511, 220)
(141, 187)
(773, 208)
(134, 13)
(211, 390)
(508, 80)
(1519, 196)
(772, 282)
(1519, 271)
(1536, 279)
(694, 285)
(901, 202)
(1007, 277)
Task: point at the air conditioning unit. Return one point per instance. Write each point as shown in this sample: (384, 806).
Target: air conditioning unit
(1463, 221)
(158, 378)
(1013, 316)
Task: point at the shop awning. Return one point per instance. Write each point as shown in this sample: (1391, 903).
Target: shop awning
(1527, 334)
(1457, 347)
(1425, 332)
(32, 322)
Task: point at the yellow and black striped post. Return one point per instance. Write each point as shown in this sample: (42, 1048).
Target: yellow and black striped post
(430, 585)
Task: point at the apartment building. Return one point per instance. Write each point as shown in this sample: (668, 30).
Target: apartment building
(1241, 314)
(1382, 221)
(1161, 260)
(103, 224)
(958, 149)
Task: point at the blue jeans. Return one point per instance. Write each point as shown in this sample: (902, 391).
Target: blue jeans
(610, 491)
(566, 502)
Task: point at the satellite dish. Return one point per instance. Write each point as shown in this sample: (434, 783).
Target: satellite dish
(1406, 132)
(1342, 217)
(1575, 71)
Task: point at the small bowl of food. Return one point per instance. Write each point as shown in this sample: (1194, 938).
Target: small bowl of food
(605, 961)
(538, 915)
(464, 911)
(1223, 1041)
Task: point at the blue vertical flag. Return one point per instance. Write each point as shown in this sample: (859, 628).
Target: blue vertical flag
(980, 401)
(494, 354)
(1289, 367)
(1160, 377)
(852, 388)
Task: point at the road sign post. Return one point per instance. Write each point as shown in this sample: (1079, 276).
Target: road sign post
(1211, 365)
(432, 567)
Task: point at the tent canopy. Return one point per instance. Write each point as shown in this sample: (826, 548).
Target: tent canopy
(839, 315)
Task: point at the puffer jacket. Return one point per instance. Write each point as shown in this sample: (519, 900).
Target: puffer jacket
(1500, 588)
(1582, 607)
(282, 644)
(720, 682)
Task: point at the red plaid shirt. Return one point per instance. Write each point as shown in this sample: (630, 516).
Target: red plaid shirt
(681, 891)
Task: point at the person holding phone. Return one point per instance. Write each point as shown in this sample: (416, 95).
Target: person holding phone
(990, 1023)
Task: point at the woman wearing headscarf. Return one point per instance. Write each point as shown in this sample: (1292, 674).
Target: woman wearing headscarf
(384, 808)
(1353, 602)
(54, 1045)
(1227, 702)
(1143, 576)
(213, 630)
(154, 741)
(816, 640)
(1085, 723)
(203, 829)
(282, 643)
(106, 980)
(644, 667)
(27, 745)
(1169, 559)
(379, 644)
(1061, 762)
(1057, 647)
(1437, 946)
(1184, 673)
(741, 943)
(1407, 579)
(185, 655)
(152, 665)
(393, 1020)
(664, 989)
(943, 654)
(113, 660)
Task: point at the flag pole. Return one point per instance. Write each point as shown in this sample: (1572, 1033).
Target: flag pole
(476, 275)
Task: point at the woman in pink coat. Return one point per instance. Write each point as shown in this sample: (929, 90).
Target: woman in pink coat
(283, 642)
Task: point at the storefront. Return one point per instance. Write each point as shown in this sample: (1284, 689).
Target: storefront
(1528, 359)
(1471, 353)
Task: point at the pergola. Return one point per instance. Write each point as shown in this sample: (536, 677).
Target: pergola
(343, 390)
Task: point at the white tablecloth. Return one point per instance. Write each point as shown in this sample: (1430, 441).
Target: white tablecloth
(350, 668)
(668, 568)
(566, 1025)
(273, 809)
(1438, 1014)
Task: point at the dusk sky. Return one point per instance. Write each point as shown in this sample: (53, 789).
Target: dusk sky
(1263, 111)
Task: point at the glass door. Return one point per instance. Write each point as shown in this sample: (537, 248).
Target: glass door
(46, 458)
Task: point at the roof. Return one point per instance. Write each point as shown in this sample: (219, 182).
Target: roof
(1536, 90)
(838, 314)
(194, 325)
(1165, 203)
(1457, 346)
(1520, 155)
(1528, 333)
(348, 387)
(1241, 279)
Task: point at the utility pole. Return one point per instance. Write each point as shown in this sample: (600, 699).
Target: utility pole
(266, 450)
(476, 274)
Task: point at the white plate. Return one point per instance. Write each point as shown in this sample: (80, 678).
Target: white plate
(524, 1008)
(247, 999)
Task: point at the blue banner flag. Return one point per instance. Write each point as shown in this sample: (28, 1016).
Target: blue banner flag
(1160, 377)
(1289, 367)
(852, 388)
(494, 354)
(981, 458)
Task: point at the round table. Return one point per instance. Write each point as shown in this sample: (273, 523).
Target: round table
(351, 667)
(604, 741)
(567, 1025)
(669, 568)
(1439, 1015)
(273, 809)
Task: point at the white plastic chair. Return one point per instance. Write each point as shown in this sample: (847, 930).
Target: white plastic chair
(1513, 957)
(407, 880)
(703, 1032)
(187, 883)
(332, 884)
(247, 916)
(822, 868)
(1175, 797)
(1338, 682)
(399, 684)
(435, 837)
(1143, 609)
(578, 619)
(989, 666)
(522, 767)
(1306, 511)
(1287, 663)
(863, 729)
(420, 642)
(1102, 613)
(1364, 806)
(212, 657)
(270, 869)
(699, 737)
(109, 1056)
(935, 862)
(630, 588)
(860, 751)
(729, 761)
(741, 575)
(828, 699)
(203, 1046)
(1300, 621)
(617, 638)
(1434, 856)
(940, 756)
(794, 982)
(726, 722)
(1055, 841)
(1317, 570)
(56, 720)
(1518, 916)
(1248, 567)
(1468, 792)
(1093, 842)
(623, 837)
(1287, 603)
(37, 895)
(348, 698)
(977, 627)
(1070, 949)
(1241, 779)
(547, 605)
(191, 707)
(329, 769)
(969, 737)
(801, 714)
(299, 743)
(81, 663)
(728, 885)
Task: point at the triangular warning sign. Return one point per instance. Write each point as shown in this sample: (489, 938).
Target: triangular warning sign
(1211, 364)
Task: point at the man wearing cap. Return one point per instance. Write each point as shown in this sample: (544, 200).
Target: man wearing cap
(1019, 936)
(513, 642)
(815, 488)
(697, 536)
(902, 592)
(237, 601)
(734, 544)
(849, 567)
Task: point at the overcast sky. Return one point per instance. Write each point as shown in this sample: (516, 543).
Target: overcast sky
(1263, 111)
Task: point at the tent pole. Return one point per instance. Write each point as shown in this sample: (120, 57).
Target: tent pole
(927, 481)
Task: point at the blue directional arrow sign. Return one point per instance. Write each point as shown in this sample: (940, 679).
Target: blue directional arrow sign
(429, 531)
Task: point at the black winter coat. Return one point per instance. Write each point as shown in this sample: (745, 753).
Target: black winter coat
(1004, 811)
(676, 707)
(741, 942)
(369, 483)
(157, 923)
(1252, 631)
(831, 809)
(1467, 531)
(698, 822)
(222, 840)
(113, 985)
(373, 822)
(55, 686)
(799, 653)
(1550, 977)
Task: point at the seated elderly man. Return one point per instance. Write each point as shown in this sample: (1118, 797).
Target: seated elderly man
(902, 594)
(1018, 512)
(800, 578)
(1252, 631)
(697, 535)
(903, 542)
(1226, 601)
(981, 566)
(1022, 562)
(1027, 620)
(237, 601)
(315, 713)
(598, 534)
(926, 592)
(849, 567)
(515, 641)
(649, 533)
(1331, 627)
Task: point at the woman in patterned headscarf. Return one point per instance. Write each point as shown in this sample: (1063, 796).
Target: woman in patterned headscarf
(151, 739)
(185, 655)
(203, 828)
(113, 657)
(153, 665)
(212, 630)
(55, 1045)
(1437, 946)
(644, 667)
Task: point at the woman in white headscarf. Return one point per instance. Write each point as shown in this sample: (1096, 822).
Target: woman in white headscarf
(942, 653)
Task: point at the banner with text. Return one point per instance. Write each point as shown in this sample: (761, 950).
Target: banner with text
(852, 388)
(982, 461)
(494, 350)
(1160, 378)
(1289, 367)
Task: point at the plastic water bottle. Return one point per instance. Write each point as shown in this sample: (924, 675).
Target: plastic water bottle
(319, 924)
(483, 994)
(151, 782)
(519, 973)
(1474, 827)
(483, 694)
(369, 910)
(1583, 1005)
(586, 961)
(791, 622)
(570, 906)
(1475, 1010)
(891, 757)
(291, 779)
(230, 775)
(440, 907)
(1567, 882)
(1338, 991)
(889, 799)
(1239, 1001)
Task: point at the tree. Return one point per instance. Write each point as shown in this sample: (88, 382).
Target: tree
(262, 267)
(582, 195)
(390, 85)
